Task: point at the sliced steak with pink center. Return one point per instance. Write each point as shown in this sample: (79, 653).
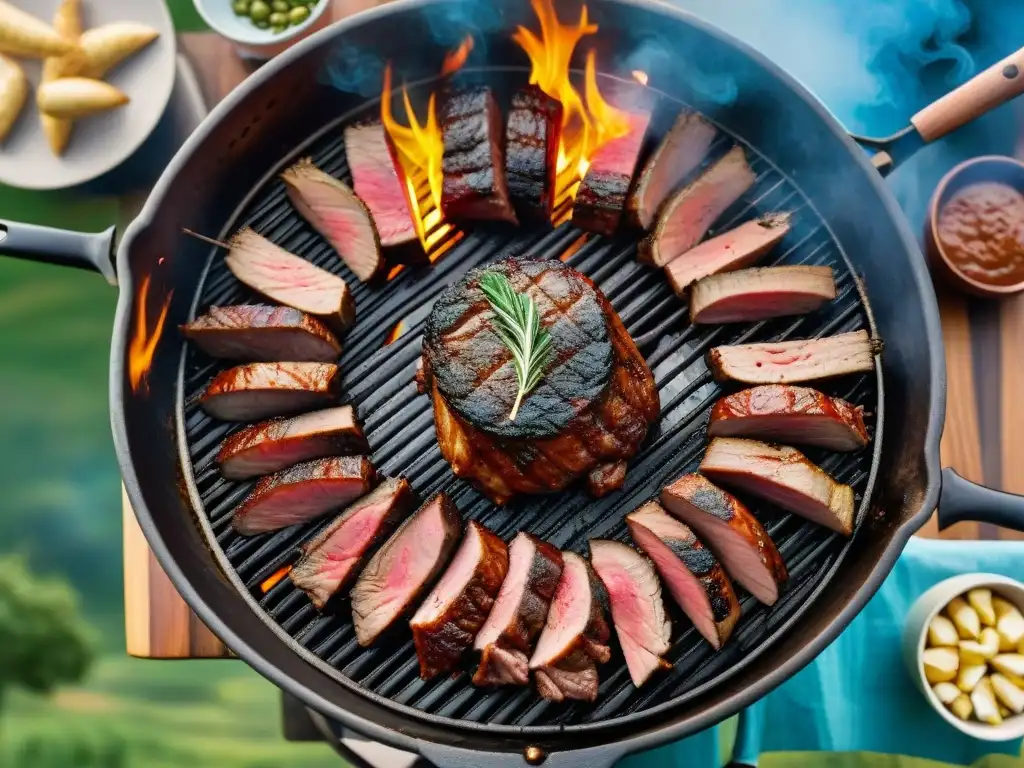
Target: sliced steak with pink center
(262, 333)
(575, 636)
(760, 293)
(336, 555)
(261, 390)
(687, 216)
(274, 445)
(288, 279)
(303, 493)
(693, 575)
(781, 413)
(737, 248)
(335, 212)
(404, 568)
(638, 612)
(730, 531)
(791, 362)
(520, 610)
(446, 624)
(783, 476)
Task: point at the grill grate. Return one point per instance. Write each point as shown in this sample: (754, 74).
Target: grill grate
(399, 425)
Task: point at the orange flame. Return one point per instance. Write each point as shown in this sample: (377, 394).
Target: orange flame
(454, 60)
(274, 579)
(143, 344)
(394, 272)
(640, 76)
(395, 333)
(585, 127)
(574, 246)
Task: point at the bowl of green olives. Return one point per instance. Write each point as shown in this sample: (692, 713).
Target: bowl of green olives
(264, 26)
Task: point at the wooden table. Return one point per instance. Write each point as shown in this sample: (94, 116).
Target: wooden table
(982, 440)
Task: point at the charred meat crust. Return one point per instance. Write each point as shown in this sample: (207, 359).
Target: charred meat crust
(473, 163)
(531, 151)
(262, 333)
(441, 642)
(601, 197)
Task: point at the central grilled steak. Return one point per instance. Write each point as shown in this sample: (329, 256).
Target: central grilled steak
(591, 408)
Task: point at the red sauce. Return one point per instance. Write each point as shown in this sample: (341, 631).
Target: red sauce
(981, 231)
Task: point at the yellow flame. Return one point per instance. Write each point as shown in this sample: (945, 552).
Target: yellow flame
(142, 347)
(420, 147)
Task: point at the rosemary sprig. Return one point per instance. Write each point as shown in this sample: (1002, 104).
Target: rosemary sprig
(517, 322)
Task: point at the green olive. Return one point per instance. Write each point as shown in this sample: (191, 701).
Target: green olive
(259, 11)
(241, 7)
(278, 28)
(298, 15)
(280, 6)
(278, 19)
(262, 24)
(296, 3)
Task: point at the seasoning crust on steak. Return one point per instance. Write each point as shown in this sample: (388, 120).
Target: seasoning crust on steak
(591, 407)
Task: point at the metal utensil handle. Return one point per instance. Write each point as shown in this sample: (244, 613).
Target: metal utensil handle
(84, 250)
(998, 84)
(444, 756)
(962, 500)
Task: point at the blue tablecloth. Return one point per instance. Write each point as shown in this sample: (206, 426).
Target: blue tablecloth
(857, 695)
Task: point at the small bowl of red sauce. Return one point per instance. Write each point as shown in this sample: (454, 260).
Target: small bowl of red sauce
(975, 231)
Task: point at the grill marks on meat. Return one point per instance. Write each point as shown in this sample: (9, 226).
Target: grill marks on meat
(693, 575)
(737, 248)
(531, 152)
(290, 280)
(601, 197)
(787, 414)
(688, 215)
(333, 210)
(263, 390)
(473, 163)
(520, 610)
(680, 152)
(783, 476)
(333, 558)
(575, 636)
(404, 567)
(638, 613)
(377, 179)
(262, 333)
(790, 362)
(729, 529)
(274, 445)
(446, 624)
(303, 493)
(760, 293)
(591, 408)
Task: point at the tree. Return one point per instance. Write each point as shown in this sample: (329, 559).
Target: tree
(44, 641)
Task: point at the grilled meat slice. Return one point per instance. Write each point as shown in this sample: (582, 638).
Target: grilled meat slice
(446, 624)
(336, 555)
(760, 293)
(638, 612)
(531, 152)
(303, 493)
(575, 636)
(288, 279)
(404, 567)
(790, 362)
(734, 249)
(783, 476)
(506, 638)
(277, 444)
(729, 530)
(786, 414)
(333, 210)
(262, 333)
(262, 390)
(693, 575)
(378, 181)
(601, 197)
(680, 152)
(474, 158)
(688, 215)
(605, 478)
(591, 407)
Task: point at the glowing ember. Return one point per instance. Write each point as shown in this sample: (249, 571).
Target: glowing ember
(395, 333)
(274, 579)
(574, 246)
(586, 126)
(640, 76)
(143, 344)
(455, 59)
(394, 272)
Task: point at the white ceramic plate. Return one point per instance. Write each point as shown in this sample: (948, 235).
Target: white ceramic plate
(100, 142)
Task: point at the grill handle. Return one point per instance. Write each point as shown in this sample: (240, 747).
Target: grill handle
(84, 250)
(961, 500)
(444, 756)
